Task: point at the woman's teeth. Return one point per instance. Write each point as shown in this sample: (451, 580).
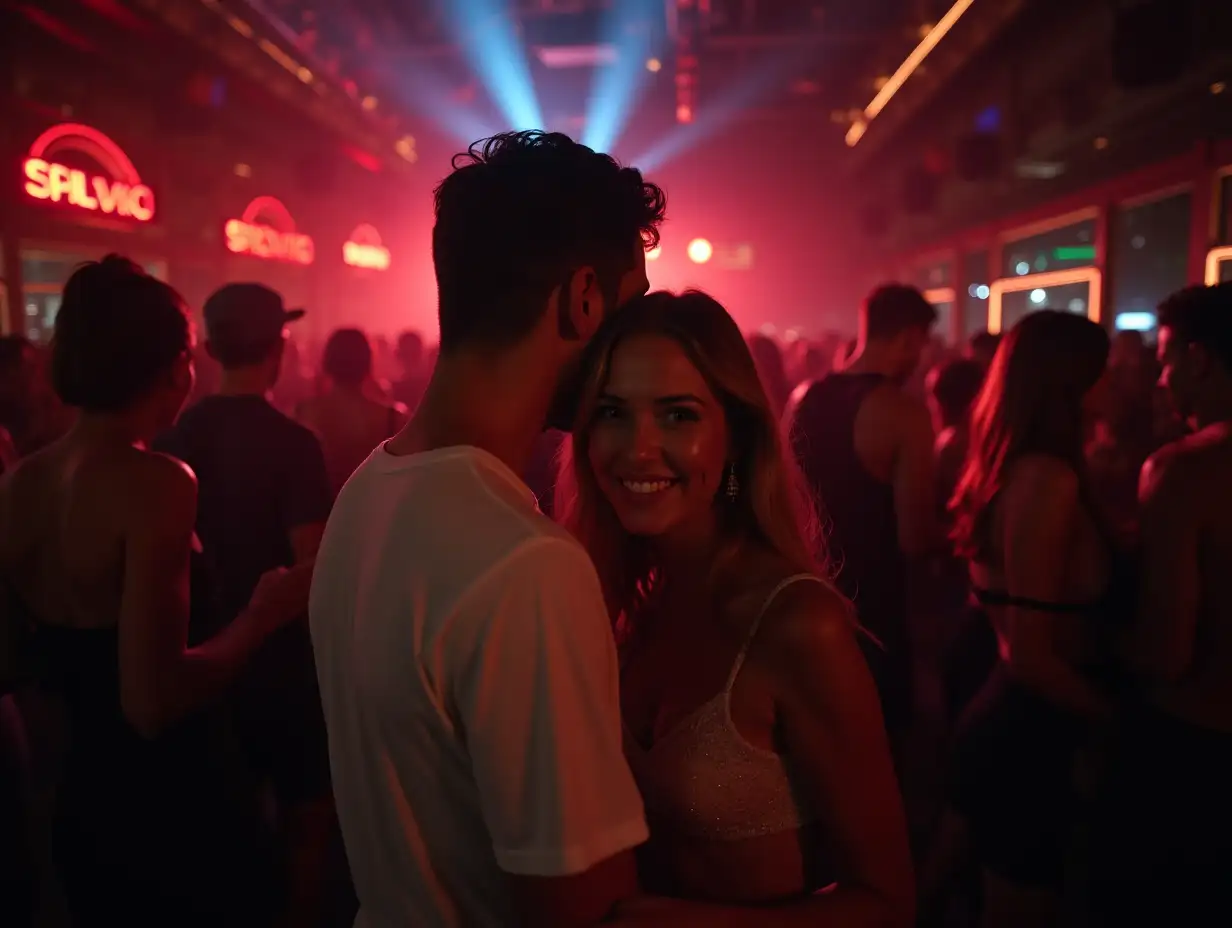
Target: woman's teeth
(647, 486)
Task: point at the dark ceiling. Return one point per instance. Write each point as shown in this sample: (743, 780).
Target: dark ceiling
(822, 55)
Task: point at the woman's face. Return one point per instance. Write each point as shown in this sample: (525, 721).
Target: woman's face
(658, 440)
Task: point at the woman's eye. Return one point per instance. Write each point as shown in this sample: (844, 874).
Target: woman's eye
(607, 412)
(682, 414)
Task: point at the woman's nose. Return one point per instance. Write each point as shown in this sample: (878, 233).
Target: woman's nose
(646, 440)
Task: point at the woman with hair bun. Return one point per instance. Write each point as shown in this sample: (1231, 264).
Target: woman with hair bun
(154, 822)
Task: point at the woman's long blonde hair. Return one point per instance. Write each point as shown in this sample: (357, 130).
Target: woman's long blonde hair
(772, 509)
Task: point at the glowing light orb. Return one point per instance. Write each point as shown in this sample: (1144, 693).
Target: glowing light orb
(700, 251)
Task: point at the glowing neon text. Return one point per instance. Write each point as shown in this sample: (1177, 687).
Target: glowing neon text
(262, 241)
(372, 257)
(47, 180)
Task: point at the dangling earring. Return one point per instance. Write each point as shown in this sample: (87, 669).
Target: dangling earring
(733, 484)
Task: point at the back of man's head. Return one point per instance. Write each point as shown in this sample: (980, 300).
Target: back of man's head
(982, 347)
(954, 386)
(1202, 316)
(893, 309)
(410, 349)
(520, 213)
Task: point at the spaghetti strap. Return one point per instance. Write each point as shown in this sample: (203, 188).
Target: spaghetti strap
(761, 614)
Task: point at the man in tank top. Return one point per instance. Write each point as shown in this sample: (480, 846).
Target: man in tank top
(866, 449)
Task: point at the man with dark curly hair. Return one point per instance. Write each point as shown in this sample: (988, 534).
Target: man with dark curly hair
(467, 666)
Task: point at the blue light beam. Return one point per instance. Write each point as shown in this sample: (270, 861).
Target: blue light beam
(488, 37)
(431, 96)
(629, 26)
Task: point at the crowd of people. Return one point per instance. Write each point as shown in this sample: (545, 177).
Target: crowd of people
(600, 612)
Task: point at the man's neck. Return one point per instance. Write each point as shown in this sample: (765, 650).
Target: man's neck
(244, 381)
(870, 359)
(131, 427)
(497, 403)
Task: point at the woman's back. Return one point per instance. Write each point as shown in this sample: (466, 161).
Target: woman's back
(1013, 522)
(62, 529)
(132, 811)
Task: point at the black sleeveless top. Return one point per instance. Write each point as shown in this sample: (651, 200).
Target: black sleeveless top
(858, 509)
(174, 816)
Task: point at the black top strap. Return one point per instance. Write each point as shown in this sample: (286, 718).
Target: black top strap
(1003, 598)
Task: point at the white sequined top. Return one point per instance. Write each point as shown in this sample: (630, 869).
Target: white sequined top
(704, 780)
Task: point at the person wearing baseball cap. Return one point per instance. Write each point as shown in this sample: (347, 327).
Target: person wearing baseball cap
(264, 496)
(245, 322)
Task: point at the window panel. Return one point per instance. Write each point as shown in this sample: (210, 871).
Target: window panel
(1057, 249)
(1150, 253)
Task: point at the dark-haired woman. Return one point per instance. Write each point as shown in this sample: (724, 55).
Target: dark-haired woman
(154, 822)
(346, 417)
(1041, 569)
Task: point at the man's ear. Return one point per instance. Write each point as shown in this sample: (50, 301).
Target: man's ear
(585, 307)
(1199, 359)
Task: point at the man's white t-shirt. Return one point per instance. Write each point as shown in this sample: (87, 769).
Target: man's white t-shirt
(470, 686)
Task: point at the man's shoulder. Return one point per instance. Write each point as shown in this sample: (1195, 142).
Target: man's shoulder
(1182, 466)
(262, 417)
(531, 545)
(464, 515)
(295, 432)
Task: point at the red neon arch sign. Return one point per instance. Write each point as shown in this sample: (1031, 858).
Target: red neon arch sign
(266, 230)
(117, 191)
(364, 249)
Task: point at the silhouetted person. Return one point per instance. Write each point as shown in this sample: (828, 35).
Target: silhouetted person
(351, 416)
(768, 356)
(982, 347)
(952, 388)
(1042, 569)
(156, 822)
(413, 370)
(30, 412)
(1166, 853)
(866, 449)
(264, 497)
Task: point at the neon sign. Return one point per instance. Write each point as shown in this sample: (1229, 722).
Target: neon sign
(1214, 264)
(266, 230)
(117, 191)
(364, 249)
(1090, 276)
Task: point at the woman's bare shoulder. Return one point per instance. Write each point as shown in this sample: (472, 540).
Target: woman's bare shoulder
(795, 607)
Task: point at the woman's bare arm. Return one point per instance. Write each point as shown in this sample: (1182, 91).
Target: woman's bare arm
(161, 679)
(831, 722)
